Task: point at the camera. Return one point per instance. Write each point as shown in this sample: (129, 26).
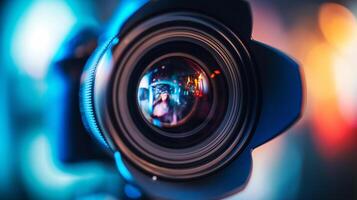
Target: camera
(179, 94)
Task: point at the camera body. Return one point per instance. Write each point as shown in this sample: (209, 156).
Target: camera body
(179, 95)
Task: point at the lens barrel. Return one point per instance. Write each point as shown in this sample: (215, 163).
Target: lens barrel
(217, 126)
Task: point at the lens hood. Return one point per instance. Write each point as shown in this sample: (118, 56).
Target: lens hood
(258, 90)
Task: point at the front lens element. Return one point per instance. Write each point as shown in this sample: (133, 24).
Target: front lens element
(174, 92)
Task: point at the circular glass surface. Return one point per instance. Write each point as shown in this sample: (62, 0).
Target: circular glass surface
(173, 93)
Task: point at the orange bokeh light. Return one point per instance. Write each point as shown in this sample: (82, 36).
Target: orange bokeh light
(333, 133)
(338, 24)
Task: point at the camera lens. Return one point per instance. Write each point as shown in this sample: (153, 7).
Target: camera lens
(175, 91)
(178, 98)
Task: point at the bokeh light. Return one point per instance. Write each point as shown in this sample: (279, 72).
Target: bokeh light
(338, 24)
(330, 73)
(39, 33)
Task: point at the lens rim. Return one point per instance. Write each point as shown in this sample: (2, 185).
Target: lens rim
(180, 167)
(150, 149)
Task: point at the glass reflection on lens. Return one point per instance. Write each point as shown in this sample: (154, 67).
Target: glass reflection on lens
(171, 91)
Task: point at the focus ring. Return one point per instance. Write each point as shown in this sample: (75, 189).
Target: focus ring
(87, 94)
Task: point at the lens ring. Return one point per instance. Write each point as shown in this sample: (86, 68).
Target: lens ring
(236, 125)
(204, 148)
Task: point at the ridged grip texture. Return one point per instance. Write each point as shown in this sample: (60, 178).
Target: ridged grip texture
(87, 94)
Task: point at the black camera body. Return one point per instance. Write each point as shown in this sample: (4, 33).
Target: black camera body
(180, 95)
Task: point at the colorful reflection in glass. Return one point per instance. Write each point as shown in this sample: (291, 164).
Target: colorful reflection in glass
(172, 90)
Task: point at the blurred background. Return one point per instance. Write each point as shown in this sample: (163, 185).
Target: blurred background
(316, 159)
